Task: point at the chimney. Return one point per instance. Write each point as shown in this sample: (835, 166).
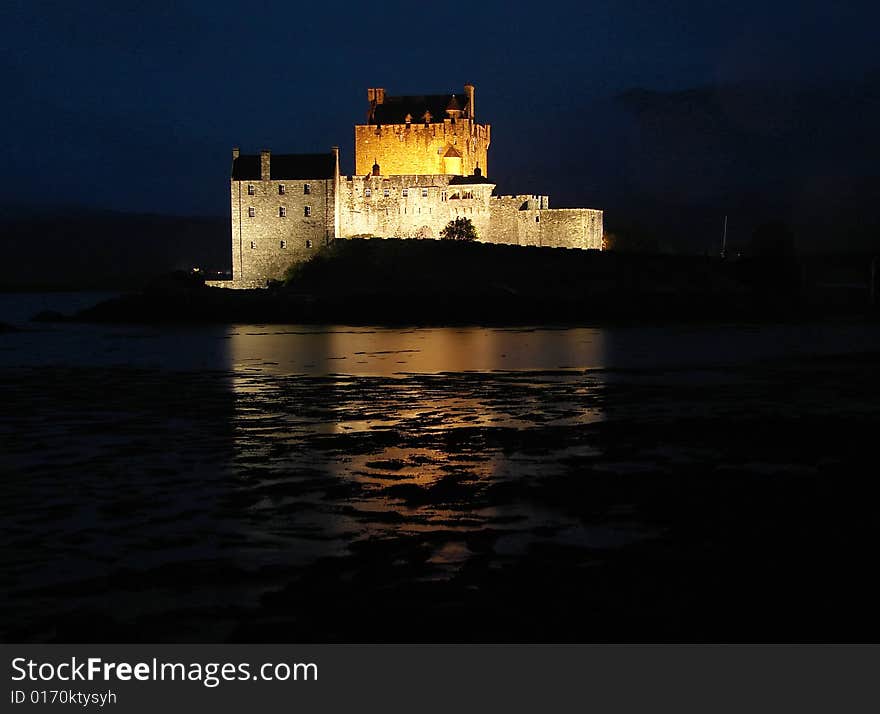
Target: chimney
(335, 150)
(469, 91)
(235, 153)
(380, 95)
(264, 165)
(371, 95)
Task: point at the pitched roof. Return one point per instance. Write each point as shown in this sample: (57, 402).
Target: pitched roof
(394, 109)
(469, 180)
(285, 166)
(452, 153)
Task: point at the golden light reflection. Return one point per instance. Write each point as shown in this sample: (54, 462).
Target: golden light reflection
(286, 349)
(361, 433)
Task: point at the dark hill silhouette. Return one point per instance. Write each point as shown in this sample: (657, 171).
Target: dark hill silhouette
(77, 247)
(394, 281)
(807, 156)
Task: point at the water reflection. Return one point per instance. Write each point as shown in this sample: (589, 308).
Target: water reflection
(420, 437)
(178, 480)
(386, 352)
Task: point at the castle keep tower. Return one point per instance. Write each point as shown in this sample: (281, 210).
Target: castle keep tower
(426, 135)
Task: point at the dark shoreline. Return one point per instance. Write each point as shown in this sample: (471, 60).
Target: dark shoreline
(409, 282)
(266, 308)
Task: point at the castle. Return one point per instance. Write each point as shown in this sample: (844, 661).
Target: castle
(420, 162)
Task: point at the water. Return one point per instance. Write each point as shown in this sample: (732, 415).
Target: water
(368, 351)
(206, 483)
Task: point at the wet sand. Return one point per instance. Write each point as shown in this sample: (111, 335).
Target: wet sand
(733, 504)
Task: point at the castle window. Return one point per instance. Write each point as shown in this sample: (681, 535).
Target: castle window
(443, 196)
(424, 193)
(251, 211)
(537, 219)
(307, 211)
(253, 245)
(368, 192)
(250, 189)
(386, 192)
(405, 192)
(282, 212)
(280, 189)
(307, 189)
(308, 244)
(283, 244)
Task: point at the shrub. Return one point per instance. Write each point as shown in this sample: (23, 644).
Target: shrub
(459, 229)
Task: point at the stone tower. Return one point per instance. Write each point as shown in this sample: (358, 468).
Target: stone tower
(426, 135)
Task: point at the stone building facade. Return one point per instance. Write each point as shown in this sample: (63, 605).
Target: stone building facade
(420, 162)
(411, 206)
(283, 208)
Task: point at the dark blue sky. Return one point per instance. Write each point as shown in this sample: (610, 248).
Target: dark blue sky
(135, 104)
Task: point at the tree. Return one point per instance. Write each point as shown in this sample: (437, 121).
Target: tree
(459, 229)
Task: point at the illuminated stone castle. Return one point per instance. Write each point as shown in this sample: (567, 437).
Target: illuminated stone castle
(420, 162)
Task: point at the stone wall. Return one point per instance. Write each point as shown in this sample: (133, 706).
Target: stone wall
(528, 220)
(266, 244)
(571, 228)
(421, 206)
(512, 219)
(418, 148)
(414, 207)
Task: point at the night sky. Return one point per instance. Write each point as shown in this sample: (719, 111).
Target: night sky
(135, 105)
